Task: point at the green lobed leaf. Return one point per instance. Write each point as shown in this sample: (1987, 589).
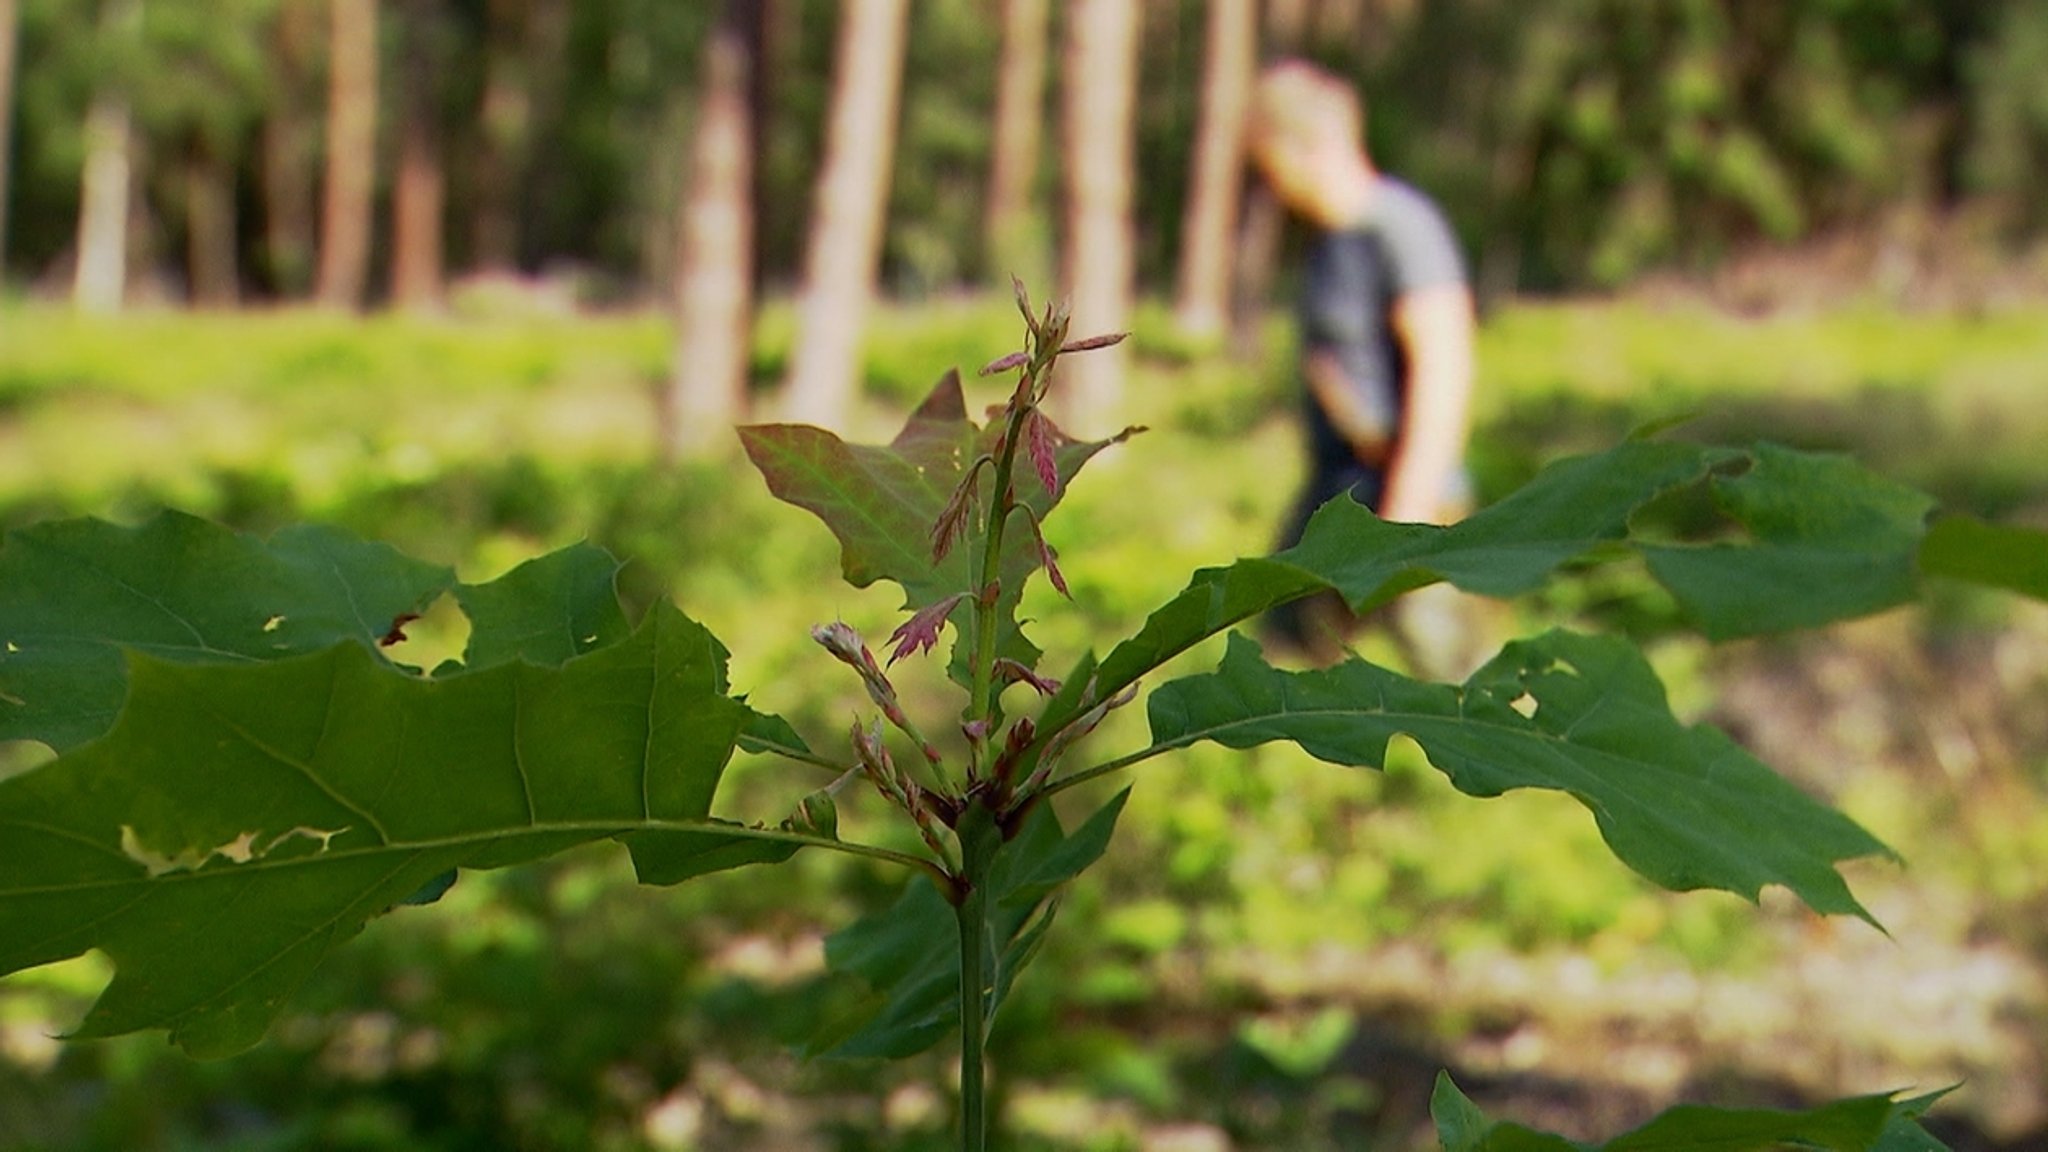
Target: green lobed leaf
(1585, 715)
(240, 821)
(1855, 1124)
(908, 953)
(671, 857)
(1830, 540)
(74, 593)
(545, 611)
(1569, 510)
(1903, 1133)
(1995, 555)
(881, 502)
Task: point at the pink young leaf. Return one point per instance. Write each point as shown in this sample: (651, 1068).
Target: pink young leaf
(1094, 342)
(1038, 437)
(1023, 302)
(1052, 569)
(1050, 559)
(1016, 673)
(1005, 363)
(921, 632)
(953, 518)
(882, 502)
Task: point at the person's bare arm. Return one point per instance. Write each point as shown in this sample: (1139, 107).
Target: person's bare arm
(1435, 327)
(1364, 429)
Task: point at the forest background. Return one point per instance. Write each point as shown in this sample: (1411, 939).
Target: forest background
(485, 276)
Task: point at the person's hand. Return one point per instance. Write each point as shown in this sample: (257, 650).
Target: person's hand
(1367, 428)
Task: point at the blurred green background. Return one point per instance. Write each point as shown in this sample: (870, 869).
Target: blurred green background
(1276, 952)
(1813, 221)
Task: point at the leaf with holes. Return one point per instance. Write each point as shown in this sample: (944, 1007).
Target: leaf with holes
(240, 821)
(545, 611)
(1828, 540)
(1584, 715)
(78, 592)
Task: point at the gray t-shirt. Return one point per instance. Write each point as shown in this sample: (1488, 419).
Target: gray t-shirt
(1352, 279)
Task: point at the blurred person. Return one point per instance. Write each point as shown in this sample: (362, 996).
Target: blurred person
(1385, 318)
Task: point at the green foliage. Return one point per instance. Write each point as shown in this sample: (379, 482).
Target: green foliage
(1575, 143)
(1686, 807)
(1860, 1124)
(270, 802)
(245, 796)
(882, 504)
(915, 1003)
(177, 588)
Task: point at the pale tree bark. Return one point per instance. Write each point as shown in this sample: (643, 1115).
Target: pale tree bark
(350, 183)
(101, 278)
(506, 123)
(1011, 233)
(715, 260)
(9, 22)
(419, 193)
(1208, 230)
(291, 148)
(1287, 23)
(1098, 124)
(848, 213)
(1342, 23)
(210, 230)
(1264, 223)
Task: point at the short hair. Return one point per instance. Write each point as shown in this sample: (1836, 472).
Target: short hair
(1297, 105)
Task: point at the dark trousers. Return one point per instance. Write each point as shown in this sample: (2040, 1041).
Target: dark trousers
(1298, 623)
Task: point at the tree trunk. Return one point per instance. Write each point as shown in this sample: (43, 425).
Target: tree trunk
(542, 185)
(101, 277)
(1208, 230)
(1287, 24)
(1098, 106)
(346, 201)
(715, 260)
(9, 22)
(210, 229)
(290, 150)
(1341, 24)
(1265, 221)
(848, 213)
(505, 120)
(1011, 233)
(420, 194)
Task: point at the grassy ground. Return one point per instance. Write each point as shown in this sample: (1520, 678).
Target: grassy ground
(1275, 950)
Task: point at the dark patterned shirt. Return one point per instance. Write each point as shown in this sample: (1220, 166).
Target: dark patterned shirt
(1352, 279)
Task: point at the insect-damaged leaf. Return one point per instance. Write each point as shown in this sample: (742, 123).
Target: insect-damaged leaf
(1828, 540)
(545, 611)
(882, 501)
(1570, 509)
(1684, 806)
(241, 821)
(74, 593)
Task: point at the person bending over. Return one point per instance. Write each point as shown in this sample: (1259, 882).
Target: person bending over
(1386, 315)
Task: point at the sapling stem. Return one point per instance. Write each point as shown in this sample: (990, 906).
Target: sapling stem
(982, 702)
(972, 913)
